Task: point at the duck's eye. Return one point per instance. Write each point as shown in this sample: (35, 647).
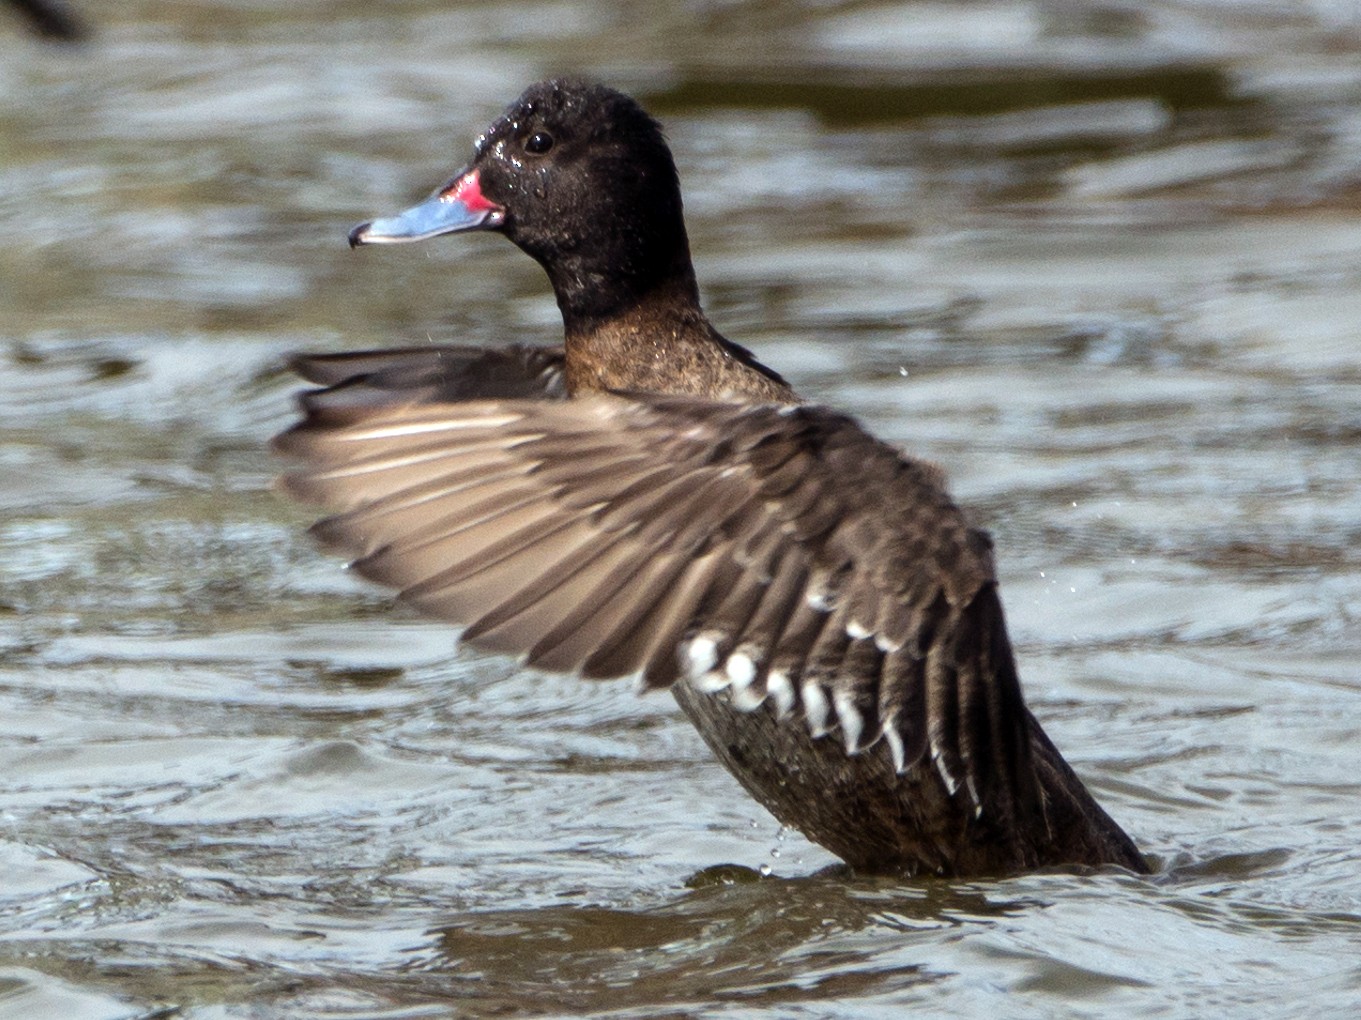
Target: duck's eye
(538, 143)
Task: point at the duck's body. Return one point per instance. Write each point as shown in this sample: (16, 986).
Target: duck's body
(653, 500)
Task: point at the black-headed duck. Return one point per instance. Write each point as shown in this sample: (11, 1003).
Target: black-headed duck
(650, 500)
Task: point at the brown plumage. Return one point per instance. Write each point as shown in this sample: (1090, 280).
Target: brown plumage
(653, 501)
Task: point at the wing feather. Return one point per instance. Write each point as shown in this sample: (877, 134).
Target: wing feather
(778, 554)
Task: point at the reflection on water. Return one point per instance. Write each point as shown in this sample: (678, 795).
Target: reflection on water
(1102, 262)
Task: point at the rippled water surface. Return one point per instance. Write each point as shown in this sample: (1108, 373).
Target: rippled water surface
(1101, 260)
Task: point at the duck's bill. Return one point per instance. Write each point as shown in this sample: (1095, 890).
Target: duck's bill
(458, 205)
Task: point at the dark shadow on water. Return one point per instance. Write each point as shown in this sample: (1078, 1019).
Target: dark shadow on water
(52, 20)
(859, 96)
(738, 937)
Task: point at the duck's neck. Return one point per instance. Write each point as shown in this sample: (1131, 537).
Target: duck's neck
(626, 253)
(662, 342)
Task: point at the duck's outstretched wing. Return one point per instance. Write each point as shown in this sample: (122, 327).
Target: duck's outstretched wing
(779, 555)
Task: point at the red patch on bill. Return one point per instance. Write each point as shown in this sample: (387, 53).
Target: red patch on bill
(467, 192)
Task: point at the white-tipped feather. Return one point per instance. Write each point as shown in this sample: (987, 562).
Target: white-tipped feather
(819, 600)
(701, 655)
(781, 692)
(741, 670)
(855, 630)
(711, 682)
(816, 708)
(747, 699)
(884, 645)
(951, 784)
(852, 722)
(745, 695)
(894, 739)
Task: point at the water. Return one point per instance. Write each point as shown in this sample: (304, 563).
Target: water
(1102, 262)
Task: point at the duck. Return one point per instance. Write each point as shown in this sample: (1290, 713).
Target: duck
(649, 500)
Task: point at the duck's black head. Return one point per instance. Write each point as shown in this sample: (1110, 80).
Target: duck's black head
(578, 176)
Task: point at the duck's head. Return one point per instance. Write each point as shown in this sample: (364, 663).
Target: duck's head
(579, 177)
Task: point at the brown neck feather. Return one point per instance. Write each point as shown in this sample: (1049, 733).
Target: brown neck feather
(665, 344)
